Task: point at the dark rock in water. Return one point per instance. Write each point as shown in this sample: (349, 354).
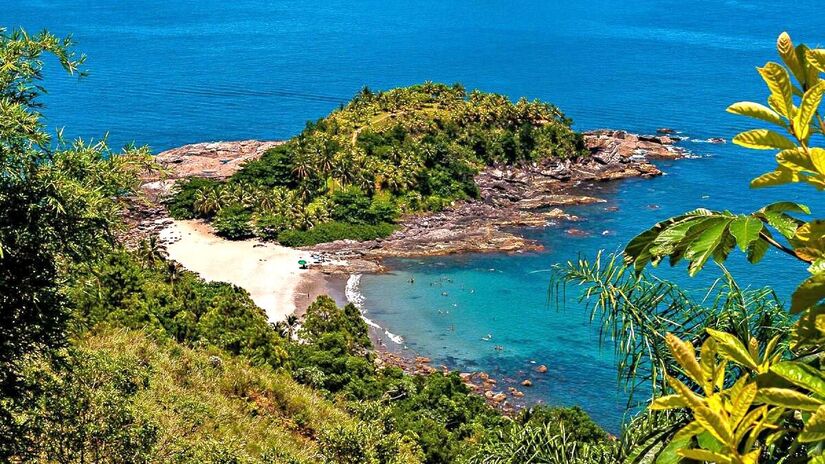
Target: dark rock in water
(665, 130)
(716, 140)
(576, 232)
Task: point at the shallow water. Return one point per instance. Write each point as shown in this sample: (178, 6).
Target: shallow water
(169, 73)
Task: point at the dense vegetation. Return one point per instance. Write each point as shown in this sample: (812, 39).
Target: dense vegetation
(383, 154)
(115, 355)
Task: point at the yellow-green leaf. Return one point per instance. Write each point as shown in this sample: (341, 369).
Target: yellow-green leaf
(732, 348)
(818, 157)
(668, 402)
(786, 50)
(685, 355)
(780, 85)
(809, 293)
(796, 159)
(709, 419)
(807, 109)
(802, 375)
(816, 58)
(742, 402)
(780, 176)
(757, 111)
(763, 139)
(787, 398)
(814, 429)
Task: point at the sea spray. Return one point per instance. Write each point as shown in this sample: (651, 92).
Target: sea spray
(354, 296)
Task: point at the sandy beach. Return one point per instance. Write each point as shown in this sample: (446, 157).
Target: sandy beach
(269, 272)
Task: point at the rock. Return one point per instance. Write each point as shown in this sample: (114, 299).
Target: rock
(665, 130)
(422, 360)
(526, 383)
(499, 397)
(576, 232)
(483, 376)
(716, 140)
(489, 395)
(541, 369)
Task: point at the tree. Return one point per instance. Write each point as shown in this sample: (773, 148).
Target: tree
(60, 204)
(751, 397)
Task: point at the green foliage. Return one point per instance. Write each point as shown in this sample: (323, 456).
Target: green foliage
(184, 204)
(59, 204)
(331, 231)
(233, 222)
(85, 410)
(767, 408)
(573, 423)
(170, 302)
(418, 147)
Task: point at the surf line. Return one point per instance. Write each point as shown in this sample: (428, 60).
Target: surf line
(354, 296)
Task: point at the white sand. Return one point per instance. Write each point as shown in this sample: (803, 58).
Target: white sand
(269, 272)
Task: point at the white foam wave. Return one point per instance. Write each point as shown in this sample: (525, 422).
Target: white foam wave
(354, 296)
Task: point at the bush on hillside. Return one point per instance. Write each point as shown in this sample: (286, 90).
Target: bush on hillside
(332, 231)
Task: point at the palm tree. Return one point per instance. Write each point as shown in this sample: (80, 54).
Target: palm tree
(207, 201)
(302, 165)
(151, 251)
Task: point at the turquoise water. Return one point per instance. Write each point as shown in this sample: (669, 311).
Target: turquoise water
(169, 73)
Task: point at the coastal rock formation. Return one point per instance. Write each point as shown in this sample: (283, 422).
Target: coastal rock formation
(510, 196)
(217, 160)
(516, 196)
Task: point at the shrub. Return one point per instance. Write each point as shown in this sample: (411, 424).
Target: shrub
(233, 222)
(332, 231)
(182, 204)
(269, 225)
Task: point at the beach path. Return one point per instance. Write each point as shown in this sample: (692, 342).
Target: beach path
(269, 272)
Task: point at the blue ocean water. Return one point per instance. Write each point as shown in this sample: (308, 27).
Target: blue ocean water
(170, 73)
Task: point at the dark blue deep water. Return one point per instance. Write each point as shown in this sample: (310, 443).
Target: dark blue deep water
(169, 73)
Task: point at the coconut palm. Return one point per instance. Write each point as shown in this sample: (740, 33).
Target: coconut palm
(151, 251)
(207, 201)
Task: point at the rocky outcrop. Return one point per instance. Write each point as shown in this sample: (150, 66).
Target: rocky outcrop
(146, 216)
(529, 195)
(217, 160)
(516, 196)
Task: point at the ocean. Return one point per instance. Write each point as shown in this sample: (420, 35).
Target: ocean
(170, 73)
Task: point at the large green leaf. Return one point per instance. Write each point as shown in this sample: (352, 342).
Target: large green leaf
(787, 398)
(757, 111)
(779, 84)
(711, 237)
(787, 207)
(746, 230)
(802, 375)
(763, 139)
(816, 58)
(814, 427)
(807, 109)
(809, 293)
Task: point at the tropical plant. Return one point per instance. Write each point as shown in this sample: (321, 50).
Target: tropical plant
(769, 406)
(60, 204)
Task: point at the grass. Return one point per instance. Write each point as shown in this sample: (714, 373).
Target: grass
(206, 399)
